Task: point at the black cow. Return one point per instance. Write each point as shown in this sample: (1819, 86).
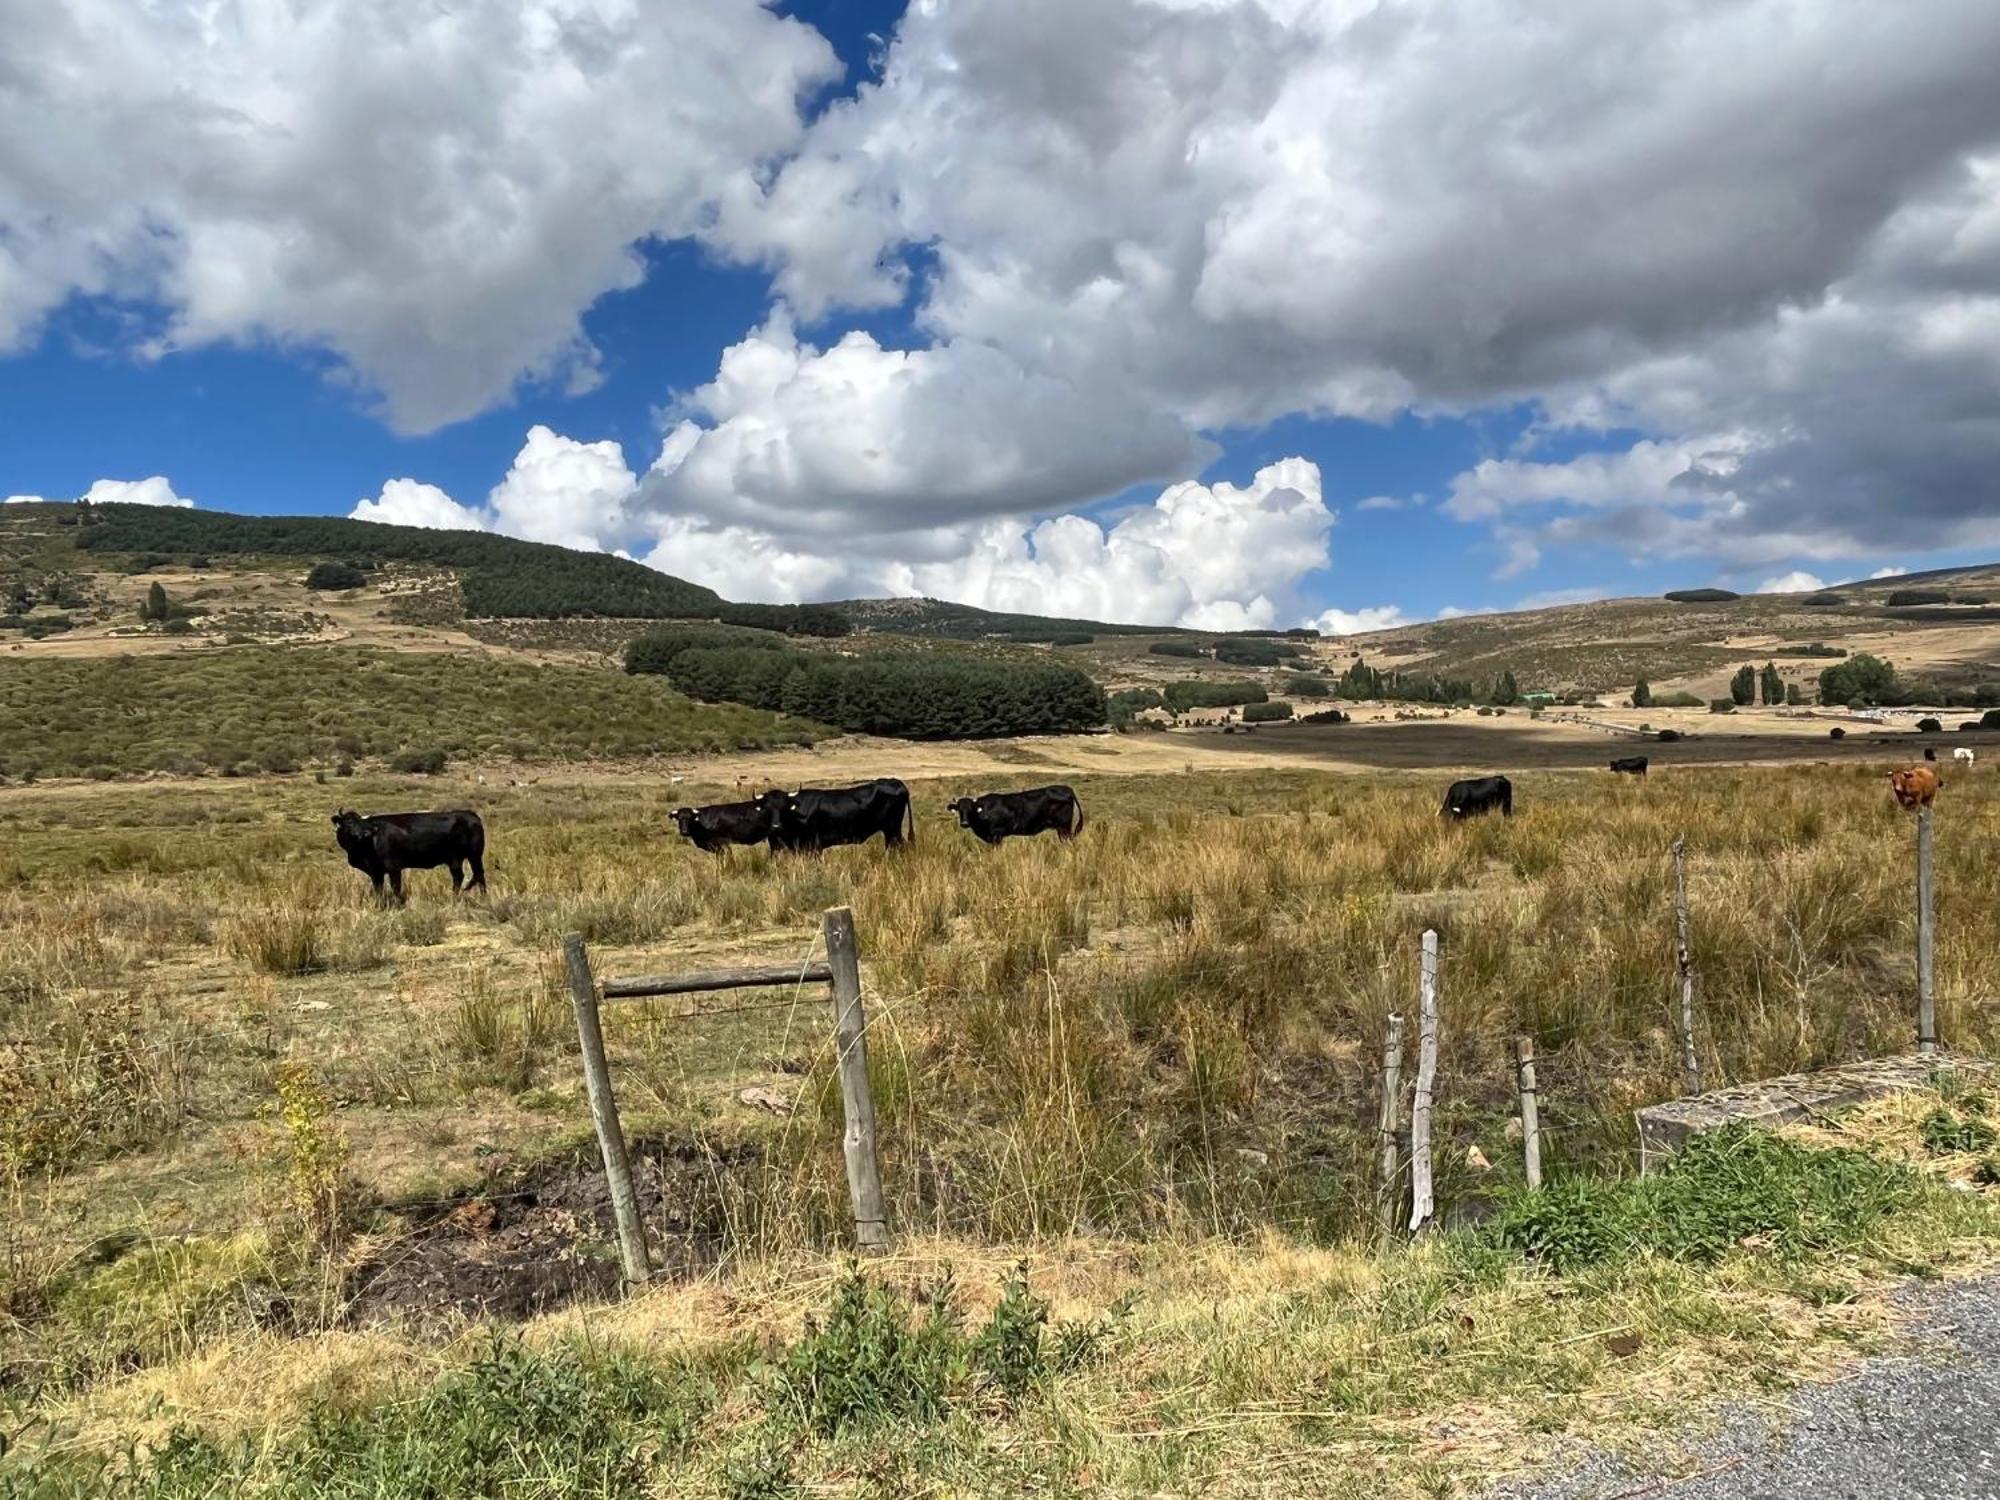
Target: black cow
(1630, 765)
(390, 843)
(1929, 753)
(714, 827)
(815, 818)
(1667, 736)
(1481, 794)
(994, 816)
(1836, 733)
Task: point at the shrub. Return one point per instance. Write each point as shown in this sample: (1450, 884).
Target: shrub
(1823, 601)
(1905, 598)
(1969, 599)
(1182, 696)
(331, 577)
(1265, 713)
(1175, 648)
(1325, 716)
(1725, 1187)
(1668, 736)
(1302, 685)
(1701, 596)
(1642, 694)
(419, 762)
(1929, 726)
(1722, 705)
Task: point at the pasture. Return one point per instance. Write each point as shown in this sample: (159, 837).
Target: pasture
(244, 1108)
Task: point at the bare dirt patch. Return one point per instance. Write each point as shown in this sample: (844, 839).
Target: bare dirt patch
(537, 1238)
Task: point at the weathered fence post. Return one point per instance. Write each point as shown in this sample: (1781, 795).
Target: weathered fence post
(1421, 1205)
(1531, 1114)
(1392, 1088)
(604, 1113)
(1684, 974)
(1927, 1038)
(850, 1036)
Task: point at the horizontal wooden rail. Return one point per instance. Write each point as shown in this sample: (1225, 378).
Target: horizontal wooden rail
(647, 985)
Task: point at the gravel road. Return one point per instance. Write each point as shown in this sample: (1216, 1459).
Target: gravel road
(1921, 1424)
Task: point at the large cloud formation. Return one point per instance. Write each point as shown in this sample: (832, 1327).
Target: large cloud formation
(1748, 252)
(1765, 235)
(1216, 556)
(434, 193)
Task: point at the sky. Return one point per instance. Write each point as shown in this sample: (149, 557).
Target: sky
(1224, 313)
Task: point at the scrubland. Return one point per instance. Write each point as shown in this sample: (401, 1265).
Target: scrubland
(243, 1107)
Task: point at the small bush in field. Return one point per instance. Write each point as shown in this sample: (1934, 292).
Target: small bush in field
(419, 762)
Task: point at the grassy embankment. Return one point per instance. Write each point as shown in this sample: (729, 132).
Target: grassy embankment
(245, 709)
(1156, 1040)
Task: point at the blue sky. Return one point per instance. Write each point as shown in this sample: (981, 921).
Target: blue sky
(980, 271)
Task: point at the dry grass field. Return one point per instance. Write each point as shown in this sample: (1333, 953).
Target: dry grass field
(268, 1151)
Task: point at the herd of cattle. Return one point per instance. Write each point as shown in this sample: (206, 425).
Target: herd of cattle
(815, 818)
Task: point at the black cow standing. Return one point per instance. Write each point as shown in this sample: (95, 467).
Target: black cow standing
(389, 843)
(815, 818)
(1630, 765)
(714, 827)
(1004, 815)
(1480, 794)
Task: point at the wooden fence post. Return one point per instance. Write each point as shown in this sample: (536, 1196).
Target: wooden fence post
(604, 1113)
(1531, 1114)
(1927, 1038)
(1684, 974)
(1421, 1205)
(1392, 1088)
(850, 1035)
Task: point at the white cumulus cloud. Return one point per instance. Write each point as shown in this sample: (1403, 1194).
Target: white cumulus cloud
(409, 502)
(1361, 621)
(153, 491)
(435, 193)
(1798, 581)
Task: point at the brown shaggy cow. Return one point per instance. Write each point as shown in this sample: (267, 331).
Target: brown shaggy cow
(1915, 787)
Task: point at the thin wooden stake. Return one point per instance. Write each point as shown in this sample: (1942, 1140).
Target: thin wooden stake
(1684, 973)
(1531, 1116)
(604, 1114)
(850, 1035)
(1927, 1038)
(1387, 1120)
(1421, 1205)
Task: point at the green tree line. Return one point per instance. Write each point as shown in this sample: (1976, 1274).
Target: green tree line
(915, 696)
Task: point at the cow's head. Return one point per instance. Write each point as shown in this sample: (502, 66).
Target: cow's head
(349, 828)
(776, 804)
(964, 807)
(684, 820)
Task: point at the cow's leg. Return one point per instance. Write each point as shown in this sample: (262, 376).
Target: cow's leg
(396, 885)
(375, 879)
(457, 867)
(478, 858)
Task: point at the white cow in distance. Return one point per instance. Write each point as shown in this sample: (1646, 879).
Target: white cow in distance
(1961, 753)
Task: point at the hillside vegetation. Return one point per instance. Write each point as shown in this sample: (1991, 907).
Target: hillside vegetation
(249, 708)
(500, 576)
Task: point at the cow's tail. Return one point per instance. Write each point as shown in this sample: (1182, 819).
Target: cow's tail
(909, 816)
(1076, 804)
